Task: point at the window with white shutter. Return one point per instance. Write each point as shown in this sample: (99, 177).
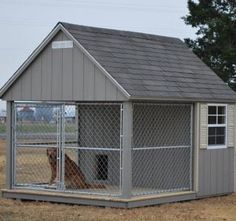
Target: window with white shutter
(217, 126)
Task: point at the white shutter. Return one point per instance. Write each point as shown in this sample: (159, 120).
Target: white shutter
(203, 126)
(230, 125)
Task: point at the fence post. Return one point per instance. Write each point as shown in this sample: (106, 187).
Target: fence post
(9, 145)
(126, 186)
(77, 122)
(62, 148)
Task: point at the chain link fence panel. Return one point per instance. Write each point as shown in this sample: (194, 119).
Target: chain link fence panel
(68, 147)
(36, 128)
(97, 155)
(162, 148)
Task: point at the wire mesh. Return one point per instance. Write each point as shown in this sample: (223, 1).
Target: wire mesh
(162, 152)
(35, 130)
(32, 167)
(99, 126)
(96, 157)
(92, 171)
(36, 123)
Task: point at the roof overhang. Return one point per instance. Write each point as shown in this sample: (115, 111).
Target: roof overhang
(178, 100)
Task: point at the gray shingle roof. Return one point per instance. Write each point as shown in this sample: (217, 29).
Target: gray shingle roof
(151, 66)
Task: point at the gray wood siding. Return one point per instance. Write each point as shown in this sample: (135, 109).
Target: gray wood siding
(46, 73)
(63, 75)
(216, 171)
(57, 71)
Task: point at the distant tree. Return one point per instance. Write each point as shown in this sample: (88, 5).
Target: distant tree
(215, 44)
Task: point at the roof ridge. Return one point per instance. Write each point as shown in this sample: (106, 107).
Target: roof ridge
(124, 33)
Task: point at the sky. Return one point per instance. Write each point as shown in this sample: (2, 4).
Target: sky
(25, 23)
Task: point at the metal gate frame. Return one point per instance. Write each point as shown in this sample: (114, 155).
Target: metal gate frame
(59, 141)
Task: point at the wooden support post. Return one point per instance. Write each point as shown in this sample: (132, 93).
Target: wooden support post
(127, 150)
(9, 145)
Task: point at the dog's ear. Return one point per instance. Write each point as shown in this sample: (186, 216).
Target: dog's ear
(47, 152)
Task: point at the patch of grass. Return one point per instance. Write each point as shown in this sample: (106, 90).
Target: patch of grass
(38, 128)
(2, 128)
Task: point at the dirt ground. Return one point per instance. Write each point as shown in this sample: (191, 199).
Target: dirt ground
(212, 209)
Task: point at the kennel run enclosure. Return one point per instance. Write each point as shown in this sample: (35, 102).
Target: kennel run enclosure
(90, 135)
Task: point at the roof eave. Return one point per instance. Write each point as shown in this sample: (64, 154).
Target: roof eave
(175, 99)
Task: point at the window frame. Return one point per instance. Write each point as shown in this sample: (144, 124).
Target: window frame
(217, 146)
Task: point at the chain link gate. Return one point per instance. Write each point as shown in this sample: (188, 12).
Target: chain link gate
(68, 147)
(162, 148)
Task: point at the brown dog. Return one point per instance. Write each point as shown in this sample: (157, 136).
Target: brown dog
(74, 177)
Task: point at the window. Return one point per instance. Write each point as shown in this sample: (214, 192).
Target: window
(101, 167)
(217, 126)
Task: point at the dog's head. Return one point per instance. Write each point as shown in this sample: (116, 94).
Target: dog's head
(52, 153)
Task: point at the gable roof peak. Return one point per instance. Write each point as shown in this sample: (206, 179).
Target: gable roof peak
(117, 32)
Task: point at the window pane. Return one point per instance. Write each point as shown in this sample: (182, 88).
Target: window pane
(211, 140)
(221, 119)
(211, 119)
(211, 109)
(220, 140)
(212, 131)
(221, 110)
(216, 115)
(216, 135)
(220, 131)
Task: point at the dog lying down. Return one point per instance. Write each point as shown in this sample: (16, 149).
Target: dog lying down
(74, 177)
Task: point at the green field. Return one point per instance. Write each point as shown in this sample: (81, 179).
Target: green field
(38, 128)
(2, 128)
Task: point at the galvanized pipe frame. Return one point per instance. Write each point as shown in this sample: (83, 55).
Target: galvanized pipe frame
(159, 147)
(121, 146)
(60, 145)
(161, 104)
(70, 147)
(14, 117)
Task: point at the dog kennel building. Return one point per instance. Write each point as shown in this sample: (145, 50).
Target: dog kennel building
(141, 118)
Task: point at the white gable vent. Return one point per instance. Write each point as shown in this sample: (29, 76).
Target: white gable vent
(62, 44)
